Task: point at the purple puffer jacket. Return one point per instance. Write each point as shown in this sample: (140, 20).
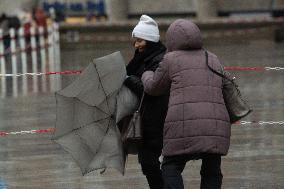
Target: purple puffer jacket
(197, 119)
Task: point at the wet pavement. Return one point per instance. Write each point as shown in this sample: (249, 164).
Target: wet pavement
(255, 159)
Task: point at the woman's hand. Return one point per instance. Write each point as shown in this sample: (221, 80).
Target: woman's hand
(134, 83)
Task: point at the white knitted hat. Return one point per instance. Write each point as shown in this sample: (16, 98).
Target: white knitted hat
(146, 29)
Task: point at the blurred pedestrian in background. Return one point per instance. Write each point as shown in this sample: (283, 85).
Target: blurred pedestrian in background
(4, 26)
(6, 23)
(149, 51)
(197, 124)
(27, 21)
(39, 17)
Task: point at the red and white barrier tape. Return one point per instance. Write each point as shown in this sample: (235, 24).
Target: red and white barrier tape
(259, 122)
(229, 68)
(49, 130)
(40, 73)
(274, 68)
(238, 68)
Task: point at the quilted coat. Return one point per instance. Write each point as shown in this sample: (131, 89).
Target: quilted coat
(197, 120)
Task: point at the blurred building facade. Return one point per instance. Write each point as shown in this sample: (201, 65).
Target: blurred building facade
(190, 7)
(15, 7)
(123, 9)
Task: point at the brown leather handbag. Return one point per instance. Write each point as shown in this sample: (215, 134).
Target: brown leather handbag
(237, 107)
(131, 133)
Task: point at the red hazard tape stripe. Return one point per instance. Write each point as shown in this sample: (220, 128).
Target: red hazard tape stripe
(49, 130)
(64, 72)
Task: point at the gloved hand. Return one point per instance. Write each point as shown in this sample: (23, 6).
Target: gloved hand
(134, 83)
(131, 79)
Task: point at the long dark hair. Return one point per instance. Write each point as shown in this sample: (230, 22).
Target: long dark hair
(150, 47)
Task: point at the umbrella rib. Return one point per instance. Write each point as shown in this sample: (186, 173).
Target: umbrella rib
(94, 106)
(104, 136)
(82, 127)
(99, 146)
(89, 124)
(100, 81)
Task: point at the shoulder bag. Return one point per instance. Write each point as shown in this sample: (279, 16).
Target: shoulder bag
(131, 133)
(235, 104)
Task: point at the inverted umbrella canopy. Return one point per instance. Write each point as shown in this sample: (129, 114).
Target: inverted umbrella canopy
(85, 117)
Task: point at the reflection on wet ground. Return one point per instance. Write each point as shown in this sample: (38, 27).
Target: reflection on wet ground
(255, 159)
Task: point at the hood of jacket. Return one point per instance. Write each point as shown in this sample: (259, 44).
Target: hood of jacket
(183, 35)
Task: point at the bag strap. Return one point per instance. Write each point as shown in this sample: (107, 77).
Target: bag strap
(141, 102)
(214, 71)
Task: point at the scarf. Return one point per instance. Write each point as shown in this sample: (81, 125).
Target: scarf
(137, 63)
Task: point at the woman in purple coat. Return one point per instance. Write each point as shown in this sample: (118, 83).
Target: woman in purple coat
(197, 125)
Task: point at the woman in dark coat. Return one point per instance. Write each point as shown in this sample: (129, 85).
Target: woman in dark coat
(149, 52)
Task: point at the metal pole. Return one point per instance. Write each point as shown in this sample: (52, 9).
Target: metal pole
(14, 61)
(34, 59)
(23, 49)
(3, 65)
(51, 57)
(57, 54)
(43, 57)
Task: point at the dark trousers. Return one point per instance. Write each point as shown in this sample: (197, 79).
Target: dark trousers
(211, 175)
(149, 160)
